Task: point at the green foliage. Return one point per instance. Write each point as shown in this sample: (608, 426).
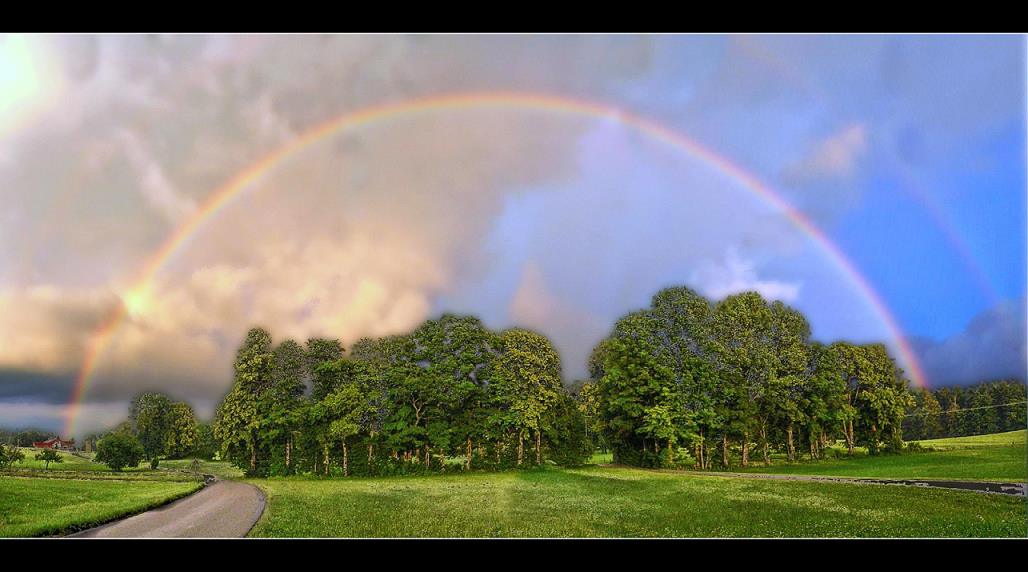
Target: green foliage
(183, 435)
(687, 381)
(9, 455)
(48, 456)
(985, 408)
(207, 445)
(118, 450)
(151, 415)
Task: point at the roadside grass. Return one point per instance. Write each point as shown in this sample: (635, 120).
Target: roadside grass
(47, 506)
(621, 502)
(996, 457)
(220, 469)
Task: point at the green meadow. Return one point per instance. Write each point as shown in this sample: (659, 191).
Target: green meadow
(46, 506)
(621, 502)
(78, 493)
(996, 457)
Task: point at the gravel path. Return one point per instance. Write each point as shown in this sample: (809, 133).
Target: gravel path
(223, 509)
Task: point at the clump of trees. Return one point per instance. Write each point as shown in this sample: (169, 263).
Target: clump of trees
(989, 407)
(449, 396)
(157, 427)
(690, 381)
(164, 428)
(118, 450)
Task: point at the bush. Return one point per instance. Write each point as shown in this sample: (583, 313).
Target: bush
(119, 450)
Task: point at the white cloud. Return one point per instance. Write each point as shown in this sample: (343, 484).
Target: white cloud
(734, 275)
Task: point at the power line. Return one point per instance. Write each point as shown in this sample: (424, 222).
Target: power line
(968, 408)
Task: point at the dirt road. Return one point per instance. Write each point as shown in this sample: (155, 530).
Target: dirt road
(224, 509)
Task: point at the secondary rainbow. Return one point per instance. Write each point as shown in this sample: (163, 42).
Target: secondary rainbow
(236, 187)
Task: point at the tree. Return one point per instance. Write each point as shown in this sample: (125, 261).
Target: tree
(588, 401)
(282, 400)
(527, 383)
(182, 433)
(9, 455)
(345, 409)
(207, 445)
(319, 351)
(878, 394)
(745, 356)
(118, 450)
(240, 416)
(152, 418)
(49, 456)
(638, 402)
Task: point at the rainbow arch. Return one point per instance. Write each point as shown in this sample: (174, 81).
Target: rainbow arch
(236, 187)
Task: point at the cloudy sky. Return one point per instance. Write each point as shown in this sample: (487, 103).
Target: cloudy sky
(907, 152)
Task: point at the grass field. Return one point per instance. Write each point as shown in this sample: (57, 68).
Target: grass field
(996, 457)
(220, 469)
(605, 502)
(72, 462)
(44, 506)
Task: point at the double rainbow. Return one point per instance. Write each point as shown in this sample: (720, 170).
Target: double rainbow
(237, 186)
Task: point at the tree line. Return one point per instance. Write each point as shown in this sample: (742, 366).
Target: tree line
(988, 407)
(688, 381)
(157, 427)
(451, 395)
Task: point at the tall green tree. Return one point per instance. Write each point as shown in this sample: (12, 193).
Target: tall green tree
(527, 383)
(152, 418)
(240, 417)
(182, 435)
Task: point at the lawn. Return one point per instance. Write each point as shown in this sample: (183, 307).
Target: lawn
(615, 502)
(43, 506)
(996, 457)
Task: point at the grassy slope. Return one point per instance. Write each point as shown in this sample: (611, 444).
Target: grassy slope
(34, 507)
(997, 457)
(597, 502)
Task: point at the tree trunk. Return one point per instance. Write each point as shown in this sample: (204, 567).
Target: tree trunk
(521, 447)
(428, 457)
(287, 455)
(346, 459)
(467, 462)
(253, 458)
(724, 450)
(538, 447)
(792, 449)
(745, 449)
(849, 436)
(325, 451)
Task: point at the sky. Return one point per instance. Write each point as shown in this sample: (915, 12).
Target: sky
(906, 153)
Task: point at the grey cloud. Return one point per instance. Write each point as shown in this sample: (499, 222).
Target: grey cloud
(993, 346)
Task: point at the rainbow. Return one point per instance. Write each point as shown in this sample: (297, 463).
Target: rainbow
(236, 187)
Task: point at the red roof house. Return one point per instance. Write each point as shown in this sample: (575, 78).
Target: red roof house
(55, 443)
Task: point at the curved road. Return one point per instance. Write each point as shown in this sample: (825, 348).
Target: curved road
(224, 509)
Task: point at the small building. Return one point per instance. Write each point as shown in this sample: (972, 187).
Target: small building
(55, 443)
